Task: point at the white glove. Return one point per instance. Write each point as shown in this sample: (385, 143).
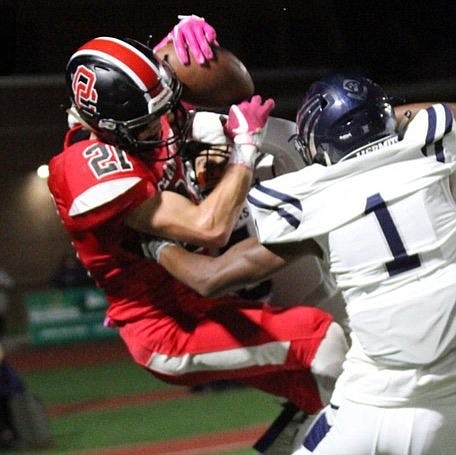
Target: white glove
(152, 248)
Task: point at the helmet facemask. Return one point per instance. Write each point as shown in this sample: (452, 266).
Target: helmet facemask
(128, 134)
(207, 151)
(208, 163)
(307, 115)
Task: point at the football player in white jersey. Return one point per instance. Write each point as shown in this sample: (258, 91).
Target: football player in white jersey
(379, 202)
(307, 282)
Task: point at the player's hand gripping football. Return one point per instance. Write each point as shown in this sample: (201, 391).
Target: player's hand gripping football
(245, 126)
(192, 34)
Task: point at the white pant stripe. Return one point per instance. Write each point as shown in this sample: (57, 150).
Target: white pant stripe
(274, 353)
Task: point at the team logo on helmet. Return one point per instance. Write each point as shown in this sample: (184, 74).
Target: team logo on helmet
(355, 89)
(83, 86)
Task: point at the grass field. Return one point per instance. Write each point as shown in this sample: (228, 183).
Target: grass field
(97, 408)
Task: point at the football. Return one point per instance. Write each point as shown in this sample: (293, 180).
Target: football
(217, 83)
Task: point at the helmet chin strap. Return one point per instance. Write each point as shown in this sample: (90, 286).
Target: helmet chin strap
(327, 159)
(322, 158)
(75, 114)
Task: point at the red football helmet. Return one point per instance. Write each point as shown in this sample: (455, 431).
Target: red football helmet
(118, 87)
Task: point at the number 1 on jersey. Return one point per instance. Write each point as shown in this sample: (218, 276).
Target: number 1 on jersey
(402, 262)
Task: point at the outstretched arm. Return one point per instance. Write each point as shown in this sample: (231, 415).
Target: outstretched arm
(192, 35)
(244, 263)
(410, 109)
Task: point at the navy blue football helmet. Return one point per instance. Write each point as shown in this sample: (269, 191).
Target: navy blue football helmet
(339, 116)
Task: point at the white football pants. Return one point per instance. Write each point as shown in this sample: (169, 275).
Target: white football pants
(366, 430)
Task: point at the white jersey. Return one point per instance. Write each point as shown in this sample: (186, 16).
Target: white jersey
(387, 222)
(308, 280)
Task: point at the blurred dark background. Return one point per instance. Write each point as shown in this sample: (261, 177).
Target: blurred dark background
(405, 40)
(409, 47)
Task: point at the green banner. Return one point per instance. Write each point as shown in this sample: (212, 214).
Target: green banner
(70, 315)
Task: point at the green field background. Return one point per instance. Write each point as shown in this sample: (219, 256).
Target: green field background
(196, 414)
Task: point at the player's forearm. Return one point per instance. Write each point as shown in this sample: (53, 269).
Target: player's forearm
(245, 263)
(221, 209)
(205, 274)
(412, 108)
(243, 126)
(189, 268)
(209, 224)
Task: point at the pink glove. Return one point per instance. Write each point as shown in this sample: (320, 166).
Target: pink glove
(245, 126)
(192, 34)
(246, 120)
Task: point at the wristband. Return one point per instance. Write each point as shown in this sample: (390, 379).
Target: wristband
(244, 138)
(244, 154)
(153, 248)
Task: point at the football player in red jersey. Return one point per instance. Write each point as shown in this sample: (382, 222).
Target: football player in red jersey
(120, 179)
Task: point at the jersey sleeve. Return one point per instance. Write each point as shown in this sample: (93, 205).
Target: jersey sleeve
(277, 205)
(92, 182)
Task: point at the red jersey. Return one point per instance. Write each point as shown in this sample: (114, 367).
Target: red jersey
(168, 328)
(94, 186)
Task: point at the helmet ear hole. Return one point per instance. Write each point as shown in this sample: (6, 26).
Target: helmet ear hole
(323, 102)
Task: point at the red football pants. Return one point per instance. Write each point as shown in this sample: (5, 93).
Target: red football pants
(266, 347)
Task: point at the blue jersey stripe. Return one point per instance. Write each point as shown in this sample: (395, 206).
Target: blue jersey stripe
(288, 217)
(286, 198)
(430, 134)
(438, 147)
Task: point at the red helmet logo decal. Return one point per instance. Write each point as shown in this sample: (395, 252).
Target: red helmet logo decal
(85, 95)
